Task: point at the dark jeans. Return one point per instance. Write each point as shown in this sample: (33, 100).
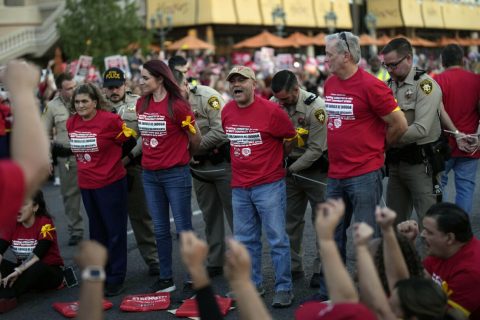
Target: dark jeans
(361, 195)
(39, 276)
(107, 219)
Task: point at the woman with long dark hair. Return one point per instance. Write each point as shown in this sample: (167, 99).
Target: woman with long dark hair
(96, 138)
(170, 137)
(34, 244)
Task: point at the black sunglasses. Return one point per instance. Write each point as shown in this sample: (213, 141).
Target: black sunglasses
(343, 36)
(393, 65)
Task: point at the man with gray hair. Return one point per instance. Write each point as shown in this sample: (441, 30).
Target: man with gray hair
(362, 115)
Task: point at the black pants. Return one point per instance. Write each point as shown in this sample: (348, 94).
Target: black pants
(39, 276)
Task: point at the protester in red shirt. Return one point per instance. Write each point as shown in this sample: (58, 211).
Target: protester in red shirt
(257, 129)
(96, 138)
(453, 255)
(34, 244)
(362, 117)
(170, 137)
(21, 176)
(461, 98)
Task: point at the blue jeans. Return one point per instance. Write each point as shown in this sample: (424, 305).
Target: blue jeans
(361, 195)
(465, 170)
(163, 188)
(263, 205)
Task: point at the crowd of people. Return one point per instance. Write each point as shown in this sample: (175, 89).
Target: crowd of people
(256, 158)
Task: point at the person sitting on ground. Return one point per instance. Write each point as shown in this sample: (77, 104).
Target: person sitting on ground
(411, 298)
(237, 270)
(33, 241)
(453, 255)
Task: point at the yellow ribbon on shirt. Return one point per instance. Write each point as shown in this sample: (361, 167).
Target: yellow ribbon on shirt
(188, 123)
(300, 142)
(301, 132)
(128, 132)
(46, 229)
(452, 303)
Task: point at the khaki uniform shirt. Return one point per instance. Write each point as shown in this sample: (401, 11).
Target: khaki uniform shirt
(126, 109)
(420, 101)
(56, 114)
(207, 105)
(313, 118)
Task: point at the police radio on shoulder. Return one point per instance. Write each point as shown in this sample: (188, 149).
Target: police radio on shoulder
(93, 273)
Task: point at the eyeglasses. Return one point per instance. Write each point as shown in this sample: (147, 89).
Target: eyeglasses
(393, 66)
(343, 36)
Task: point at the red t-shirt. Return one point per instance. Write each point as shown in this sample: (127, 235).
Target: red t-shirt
(165, 141)
(97, 145)
(256, 136)
(12, 191)
(461, 273)
(461, 94)
(24, 240)
(356, 132)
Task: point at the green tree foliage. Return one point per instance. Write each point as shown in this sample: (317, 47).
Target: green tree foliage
(100, 28)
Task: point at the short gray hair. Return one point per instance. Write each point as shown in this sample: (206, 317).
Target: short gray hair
(341, 46)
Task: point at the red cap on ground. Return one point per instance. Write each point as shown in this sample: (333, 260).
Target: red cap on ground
(316, 310)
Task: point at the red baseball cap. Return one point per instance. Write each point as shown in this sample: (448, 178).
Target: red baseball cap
(316, 310)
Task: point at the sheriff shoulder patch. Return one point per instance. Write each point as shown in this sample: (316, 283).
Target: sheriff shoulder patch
(214, 103)
(426, 86)
(320, 115)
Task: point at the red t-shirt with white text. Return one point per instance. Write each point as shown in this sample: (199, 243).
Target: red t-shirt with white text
(461, 273)
(461, 95)
(356, 132)
(97, 145)
(256, 136)
(165, 141)
(23, 240)
(12, 191)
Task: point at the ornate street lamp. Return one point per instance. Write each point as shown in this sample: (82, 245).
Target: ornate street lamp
(162, 24)
(371, 23)
(279, 19)
(331, 20)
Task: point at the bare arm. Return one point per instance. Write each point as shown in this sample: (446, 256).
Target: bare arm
(340, 285)
(91, 253)
(371, 288)
(237, 271)
(395, 266)
(446, 120)
(12, 277)
(29, 143)
(396, 126)
(194, 254)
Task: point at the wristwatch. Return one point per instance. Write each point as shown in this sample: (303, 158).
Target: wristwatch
(93, 273)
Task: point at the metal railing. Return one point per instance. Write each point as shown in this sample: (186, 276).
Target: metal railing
(32, 40)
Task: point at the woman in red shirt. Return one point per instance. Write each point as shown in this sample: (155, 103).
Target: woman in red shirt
(34, 244)
(96, 137)
(169, 136)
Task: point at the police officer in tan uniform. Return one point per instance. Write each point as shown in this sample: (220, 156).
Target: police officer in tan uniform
(55, 116)
(123, 103)
(307, 165)
(211, 167)
(413, 174)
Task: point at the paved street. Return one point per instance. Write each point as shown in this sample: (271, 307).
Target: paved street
(38, 305)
